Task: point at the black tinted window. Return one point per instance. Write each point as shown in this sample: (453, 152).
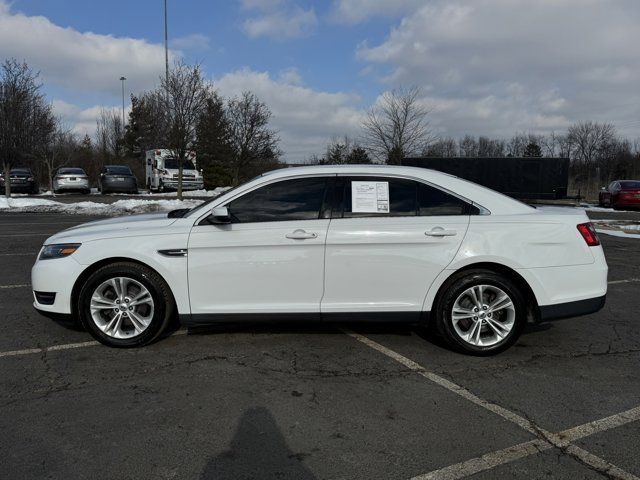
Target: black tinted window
(406, 198)
(630, 184)
(118, 169)
(287, 200)
(433, 202)
(71, 171)
(172, 163)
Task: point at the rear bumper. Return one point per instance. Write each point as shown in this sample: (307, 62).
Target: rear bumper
(572, 309)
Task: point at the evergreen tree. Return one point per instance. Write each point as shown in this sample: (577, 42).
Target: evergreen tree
(532, 150)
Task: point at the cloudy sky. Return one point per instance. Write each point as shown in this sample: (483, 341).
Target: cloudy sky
(486, 67)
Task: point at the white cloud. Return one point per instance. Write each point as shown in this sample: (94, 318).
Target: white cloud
(261, 4)
(290, 76)
(282, 24)
(305, 118)
(82, 121)
(356, 11)
(193, 41)
(80, 61)
(495, 66)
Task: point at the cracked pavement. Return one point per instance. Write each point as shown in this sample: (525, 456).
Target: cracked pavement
(304, 401)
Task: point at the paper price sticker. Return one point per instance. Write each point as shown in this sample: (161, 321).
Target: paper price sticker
(370, 197)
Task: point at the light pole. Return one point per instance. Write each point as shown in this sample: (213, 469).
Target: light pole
(122, 79)
(166, 49)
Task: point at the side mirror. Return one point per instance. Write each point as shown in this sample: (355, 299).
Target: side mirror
(219, 216)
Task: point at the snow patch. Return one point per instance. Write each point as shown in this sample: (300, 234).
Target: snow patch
(617, 233)
(120, 207)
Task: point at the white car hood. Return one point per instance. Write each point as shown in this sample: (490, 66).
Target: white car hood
(129, 226)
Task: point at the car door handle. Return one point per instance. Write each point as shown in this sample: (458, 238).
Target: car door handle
(440, 232)
(301, 235)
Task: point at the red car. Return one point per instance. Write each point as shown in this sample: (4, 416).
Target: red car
(621, 194)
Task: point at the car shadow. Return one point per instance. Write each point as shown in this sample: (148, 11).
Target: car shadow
(258, 450)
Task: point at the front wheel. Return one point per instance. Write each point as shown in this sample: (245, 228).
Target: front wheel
(125, 305)
(481, 312)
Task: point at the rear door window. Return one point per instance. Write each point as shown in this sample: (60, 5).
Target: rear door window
(406, 198)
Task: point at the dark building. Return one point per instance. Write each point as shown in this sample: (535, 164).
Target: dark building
(531, 178)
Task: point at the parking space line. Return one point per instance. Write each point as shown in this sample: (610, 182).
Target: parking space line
(30, 351)
(545, 439)
(21, 285)
(66, 346)
(629, 280)
(533, 447)
(27, 235)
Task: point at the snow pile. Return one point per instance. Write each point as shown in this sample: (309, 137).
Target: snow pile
(121, 207)
(618, 228)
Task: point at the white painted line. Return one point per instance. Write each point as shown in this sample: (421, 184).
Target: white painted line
(27, 235)
(29, 351)
(545, 438)
(23, 285)
(522, 450)
(487, 461)
(600, 464)
(443, 382)
(601, 425)
(67, 346)
(629, 280)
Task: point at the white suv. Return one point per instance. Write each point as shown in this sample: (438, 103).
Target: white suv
(330, 243)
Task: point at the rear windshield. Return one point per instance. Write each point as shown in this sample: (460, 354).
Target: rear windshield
(630, 184)
(118, 169)
(71, 171)
(173, 164)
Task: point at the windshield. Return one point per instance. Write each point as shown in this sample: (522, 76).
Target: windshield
(71, 171)
(630, 184)
(118, 169)
(21, 171)
(172, 163)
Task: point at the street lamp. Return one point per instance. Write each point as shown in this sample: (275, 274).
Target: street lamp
(122, 79)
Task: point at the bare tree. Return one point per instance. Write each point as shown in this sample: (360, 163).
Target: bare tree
(58, 151)
(26, 119)
(109, 134)
(186, 95)
(590, 144)
(468, 146)
(397, 126)
(251, 139)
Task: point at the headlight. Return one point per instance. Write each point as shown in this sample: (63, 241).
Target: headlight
(58, 250)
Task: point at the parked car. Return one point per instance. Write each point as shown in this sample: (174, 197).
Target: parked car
(620, 194)
(22, 181)
(355, 243)
(117, 178)
(71, 179)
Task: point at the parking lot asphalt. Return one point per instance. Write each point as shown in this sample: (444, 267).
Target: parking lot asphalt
(313, 401)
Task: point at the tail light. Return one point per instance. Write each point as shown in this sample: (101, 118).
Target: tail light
(30, 179)
(589, 234)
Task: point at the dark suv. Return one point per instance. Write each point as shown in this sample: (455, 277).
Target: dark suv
(22, 181)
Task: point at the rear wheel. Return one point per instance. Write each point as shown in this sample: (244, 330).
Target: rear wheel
(125, 305)
(481, 312)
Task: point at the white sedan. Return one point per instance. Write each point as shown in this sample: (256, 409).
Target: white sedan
(334, 243)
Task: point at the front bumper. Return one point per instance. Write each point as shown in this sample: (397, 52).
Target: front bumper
(57, 276)
(186, 185)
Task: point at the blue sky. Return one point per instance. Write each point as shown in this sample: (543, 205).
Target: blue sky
(485, 67)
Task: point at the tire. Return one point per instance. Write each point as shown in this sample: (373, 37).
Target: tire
(160, 187)
(152, 314)
(479, 322)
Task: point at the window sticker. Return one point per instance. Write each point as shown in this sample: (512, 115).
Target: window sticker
(370, 197)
